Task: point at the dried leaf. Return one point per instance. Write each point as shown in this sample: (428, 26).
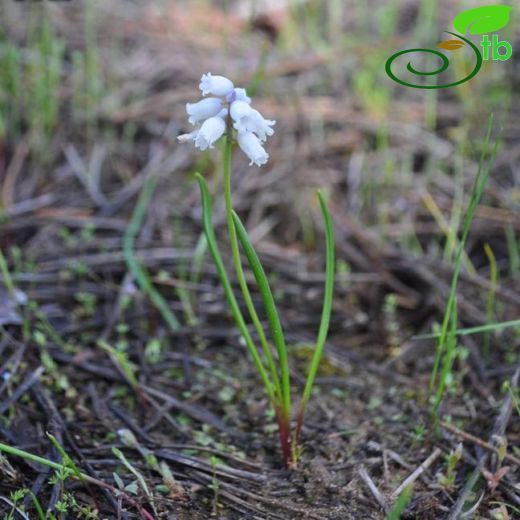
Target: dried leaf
(451, 45)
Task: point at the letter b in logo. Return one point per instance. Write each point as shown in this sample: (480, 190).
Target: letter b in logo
(497, 45)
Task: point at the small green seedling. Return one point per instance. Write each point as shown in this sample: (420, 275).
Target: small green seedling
(447, 479)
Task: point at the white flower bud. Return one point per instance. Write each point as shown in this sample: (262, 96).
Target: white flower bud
(216, 85)
(208, 107)
(252, 147)
(211, 130)
(248, 119)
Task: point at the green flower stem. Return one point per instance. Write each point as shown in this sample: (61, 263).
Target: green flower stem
(325, 317)
(272, 314)
(224, 280)
(279, 390)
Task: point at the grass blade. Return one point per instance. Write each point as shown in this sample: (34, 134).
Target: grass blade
(133, 265)
(474, 330)
(476, 193)
(270, 308)
(325, 315)
(400, 504)
(449, 357)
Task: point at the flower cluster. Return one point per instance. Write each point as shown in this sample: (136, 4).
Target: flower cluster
(209, 116)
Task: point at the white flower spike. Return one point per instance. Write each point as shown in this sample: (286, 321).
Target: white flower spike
(211, 130)
(204, 109)
(252, 147)
(227, 107)
(216, 85)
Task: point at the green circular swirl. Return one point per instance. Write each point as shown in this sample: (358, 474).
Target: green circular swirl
(442, 68)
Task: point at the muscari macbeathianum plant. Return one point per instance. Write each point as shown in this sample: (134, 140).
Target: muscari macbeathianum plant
(227, 113)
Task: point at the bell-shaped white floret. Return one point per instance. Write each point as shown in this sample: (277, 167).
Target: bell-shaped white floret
(248, 119)
(211, 130)
(252, 147)
(215, 85)
(240, 110)
(204, 109)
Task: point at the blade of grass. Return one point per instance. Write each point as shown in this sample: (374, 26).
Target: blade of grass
(476, 193)
(37, 506)
(325, 315)
(474, 330)
(66, 459)
(272, 314)
(449, 231)
(122, 363)
(490, 300)
(513, 251)
(449, 357)
(400, 504)
(133, 265)
(6, 277)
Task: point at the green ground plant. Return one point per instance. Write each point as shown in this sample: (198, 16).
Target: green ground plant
(240, 123)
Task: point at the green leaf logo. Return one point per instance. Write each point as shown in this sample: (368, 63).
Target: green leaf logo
(481, 20)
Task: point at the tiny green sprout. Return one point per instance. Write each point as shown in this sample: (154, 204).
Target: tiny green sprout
(153, 351)
(228, 112)
(88, 302)
(500, 442)
(140, 478)
(18, 494)
(215, 484)
(419, 431)
(15, 497)
(452, 459)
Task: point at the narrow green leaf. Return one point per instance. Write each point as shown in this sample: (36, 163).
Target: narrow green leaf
(476, 193)
(224, 280)
(491, 327)
(270, 308)
(325, 314)
(400, 504)
(133, 265)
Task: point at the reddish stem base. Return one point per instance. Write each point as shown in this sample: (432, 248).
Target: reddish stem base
(284, 427)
